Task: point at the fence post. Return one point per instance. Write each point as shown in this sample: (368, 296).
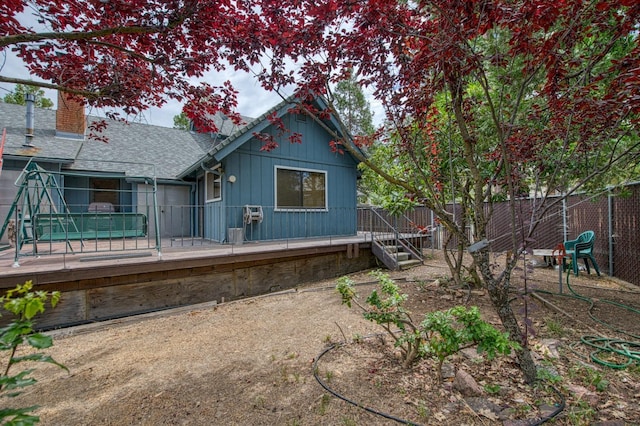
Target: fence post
(371, 223)
(610, 229)
(156, 216)
(564, 220)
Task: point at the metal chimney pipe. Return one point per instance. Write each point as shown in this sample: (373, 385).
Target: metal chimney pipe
(30, 100)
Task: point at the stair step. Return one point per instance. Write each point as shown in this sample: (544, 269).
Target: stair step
(401, 256)
(406, 264)
(391, 249)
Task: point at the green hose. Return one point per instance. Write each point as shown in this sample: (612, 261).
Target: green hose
(605, 345)
(629, 351)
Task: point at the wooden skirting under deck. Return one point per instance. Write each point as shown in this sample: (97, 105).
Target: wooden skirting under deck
(110, 286)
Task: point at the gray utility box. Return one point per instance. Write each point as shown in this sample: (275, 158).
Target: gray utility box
(236, 236)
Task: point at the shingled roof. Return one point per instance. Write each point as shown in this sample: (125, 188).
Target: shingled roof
(133, 149)
(45, 145)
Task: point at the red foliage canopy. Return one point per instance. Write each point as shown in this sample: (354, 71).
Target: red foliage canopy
(577, 64)
(139, 53)
(135, 53)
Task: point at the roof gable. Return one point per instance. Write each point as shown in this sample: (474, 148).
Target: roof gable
(244, 134)
(134, 149)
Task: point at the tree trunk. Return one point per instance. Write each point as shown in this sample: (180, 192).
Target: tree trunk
(455, 265)
(499, 294)
(527, 366)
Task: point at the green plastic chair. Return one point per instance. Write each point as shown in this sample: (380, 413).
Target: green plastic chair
(582, 248)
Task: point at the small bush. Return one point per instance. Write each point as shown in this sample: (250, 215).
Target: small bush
(24, 304)
(441, 333)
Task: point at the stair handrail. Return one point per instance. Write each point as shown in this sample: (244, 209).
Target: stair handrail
(397, 236)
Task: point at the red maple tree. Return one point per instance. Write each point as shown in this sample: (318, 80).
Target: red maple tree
(133, 54)
(491, 98)
(502, 92)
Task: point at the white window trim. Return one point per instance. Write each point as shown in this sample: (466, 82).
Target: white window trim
(206, 187)
(301, 169)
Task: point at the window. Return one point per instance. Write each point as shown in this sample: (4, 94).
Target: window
(104, 191)
(214, 186)
(300, 189)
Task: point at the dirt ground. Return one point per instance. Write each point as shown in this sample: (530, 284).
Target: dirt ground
(252, 362)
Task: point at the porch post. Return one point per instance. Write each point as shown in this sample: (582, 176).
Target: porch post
(156, 216)
(610, 229)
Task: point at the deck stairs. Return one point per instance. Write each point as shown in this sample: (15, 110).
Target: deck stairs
(394, 249)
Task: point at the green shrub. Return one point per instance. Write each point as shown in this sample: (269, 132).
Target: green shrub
(24, 304)
(441, 333)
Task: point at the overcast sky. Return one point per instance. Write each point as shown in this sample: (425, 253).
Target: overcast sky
(253, 100)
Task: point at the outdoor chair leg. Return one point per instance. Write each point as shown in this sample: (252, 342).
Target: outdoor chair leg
(586, 264)
(595, 265)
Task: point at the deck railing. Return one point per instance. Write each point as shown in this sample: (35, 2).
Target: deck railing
(613, 218)
(389, 242)
(135, 228)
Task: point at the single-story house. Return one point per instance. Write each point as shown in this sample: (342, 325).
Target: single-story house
(219, 186)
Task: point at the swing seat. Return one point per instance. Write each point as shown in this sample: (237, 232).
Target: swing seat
(89, 226)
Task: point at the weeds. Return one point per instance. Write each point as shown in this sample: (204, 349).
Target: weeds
(581, 414)
(324, 404)
(329, 375)
(423, 410)
(554, 327)
(590, 377)
(492, 389)
(549, 376)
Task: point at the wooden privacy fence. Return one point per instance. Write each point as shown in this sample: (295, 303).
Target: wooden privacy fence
(615, 219)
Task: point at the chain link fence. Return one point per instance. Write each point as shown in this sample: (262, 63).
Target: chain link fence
(613, 216)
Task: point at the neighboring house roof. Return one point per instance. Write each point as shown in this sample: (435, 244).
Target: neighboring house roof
(133, 149)
(226, 126)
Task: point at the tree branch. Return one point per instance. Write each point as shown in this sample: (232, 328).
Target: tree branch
(78, 35)
(85, 93)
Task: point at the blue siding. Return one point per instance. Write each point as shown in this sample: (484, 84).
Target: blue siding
(77, 193)
(255, 185)
(215, 221)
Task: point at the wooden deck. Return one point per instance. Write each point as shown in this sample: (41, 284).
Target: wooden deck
(56, 257)
(107, 284)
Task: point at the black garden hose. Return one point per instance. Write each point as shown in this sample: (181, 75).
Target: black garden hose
(558, 410)
(344, 398)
